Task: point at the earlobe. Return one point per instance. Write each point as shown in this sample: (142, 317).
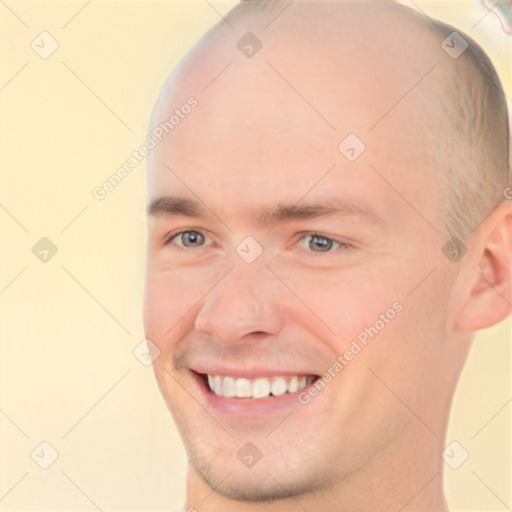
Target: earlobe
(488, 272)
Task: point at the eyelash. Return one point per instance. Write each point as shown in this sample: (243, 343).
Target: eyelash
(342, 245)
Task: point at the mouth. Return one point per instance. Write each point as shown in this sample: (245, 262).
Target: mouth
(258, 388)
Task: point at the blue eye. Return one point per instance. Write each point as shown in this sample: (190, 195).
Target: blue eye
(189, 239)
(319, 243)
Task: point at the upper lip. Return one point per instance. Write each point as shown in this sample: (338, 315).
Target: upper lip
(251, 373)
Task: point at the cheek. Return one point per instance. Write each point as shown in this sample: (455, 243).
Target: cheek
(169, 300)
(156, 308)
(345, 300)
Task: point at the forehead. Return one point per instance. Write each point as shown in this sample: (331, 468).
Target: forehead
(240, 181)
(269, 130)
(242, 167)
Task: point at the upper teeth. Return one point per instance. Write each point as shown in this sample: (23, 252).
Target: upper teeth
(261, 387)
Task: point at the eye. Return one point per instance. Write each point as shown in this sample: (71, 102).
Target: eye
(320, 243)
(188, 239)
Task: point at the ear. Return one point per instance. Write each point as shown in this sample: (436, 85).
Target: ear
(488, 272)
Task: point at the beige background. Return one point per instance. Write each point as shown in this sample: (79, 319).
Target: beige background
(68, 375)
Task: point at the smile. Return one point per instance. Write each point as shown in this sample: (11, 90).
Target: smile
(261, 387)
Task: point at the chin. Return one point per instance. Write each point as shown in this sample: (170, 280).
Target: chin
(249, 485)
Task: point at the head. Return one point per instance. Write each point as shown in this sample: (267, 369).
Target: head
(302, 223)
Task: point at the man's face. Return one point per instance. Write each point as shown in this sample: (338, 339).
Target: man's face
(254, 160)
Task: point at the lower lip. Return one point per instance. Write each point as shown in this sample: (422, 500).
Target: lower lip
(247, 407)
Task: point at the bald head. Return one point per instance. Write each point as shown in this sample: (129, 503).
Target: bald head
(376, 69)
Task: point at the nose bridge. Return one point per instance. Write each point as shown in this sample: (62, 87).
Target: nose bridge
(244, 301)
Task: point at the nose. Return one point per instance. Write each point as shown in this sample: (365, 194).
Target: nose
(245, 302)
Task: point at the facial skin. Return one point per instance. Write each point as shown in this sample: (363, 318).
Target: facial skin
(252, 153)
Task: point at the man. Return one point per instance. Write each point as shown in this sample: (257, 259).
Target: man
(327, 230)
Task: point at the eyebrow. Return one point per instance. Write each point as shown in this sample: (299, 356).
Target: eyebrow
(284, 213)
(176, 206)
